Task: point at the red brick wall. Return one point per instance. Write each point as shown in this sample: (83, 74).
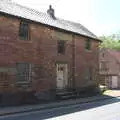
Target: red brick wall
(41, 51)
(85, 59)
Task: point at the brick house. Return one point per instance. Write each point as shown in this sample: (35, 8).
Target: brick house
(43, 54)
(110, 68)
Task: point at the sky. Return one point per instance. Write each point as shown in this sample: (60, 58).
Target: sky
(100, 16)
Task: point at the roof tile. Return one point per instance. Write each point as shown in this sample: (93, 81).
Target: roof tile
(15, 9)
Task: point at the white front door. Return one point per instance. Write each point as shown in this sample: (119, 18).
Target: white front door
(62, 75)
(114, 81)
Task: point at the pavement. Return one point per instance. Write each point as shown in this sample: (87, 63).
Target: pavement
(112, 93)
(37, 107)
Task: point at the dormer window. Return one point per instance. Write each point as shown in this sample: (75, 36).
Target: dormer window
(24, 30)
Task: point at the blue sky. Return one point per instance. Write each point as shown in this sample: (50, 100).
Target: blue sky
(106, 13)
(99, 16)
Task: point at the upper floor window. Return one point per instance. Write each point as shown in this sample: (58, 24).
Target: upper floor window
(61, 46)
(88, 44)
(24, 30)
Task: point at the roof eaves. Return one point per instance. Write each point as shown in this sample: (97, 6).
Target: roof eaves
(20, 17)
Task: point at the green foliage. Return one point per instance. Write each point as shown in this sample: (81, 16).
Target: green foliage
(112, 41)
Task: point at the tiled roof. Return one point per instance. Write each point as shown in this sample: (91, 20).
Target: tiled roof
(115, 54)
(6, 6)
(112, 59)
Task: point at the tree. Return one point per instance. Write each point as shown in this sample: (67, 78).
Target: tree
(112, 41)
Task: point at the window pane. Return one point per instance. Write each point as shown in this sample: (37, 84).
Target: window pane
(61, 46)
(23, 71)
(103, 65)
(88, 74)
(88, 44)
(24, 30)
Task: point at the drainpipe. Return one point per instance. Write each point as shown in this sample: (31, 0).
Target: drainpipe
(73, 61)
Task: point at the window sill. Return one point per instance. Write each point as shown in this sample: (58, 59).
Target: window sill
(59, 54)
(88, 50)
(23, 82)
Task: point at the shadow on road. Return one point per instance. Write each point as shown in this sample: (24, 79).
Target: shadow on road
(78, 107)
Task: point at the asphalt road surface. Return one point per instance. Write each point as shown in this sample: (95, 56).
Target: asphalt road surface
(100, 110)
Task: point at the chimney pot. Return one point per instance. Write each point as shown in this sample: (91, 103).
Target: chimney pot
(51, 12)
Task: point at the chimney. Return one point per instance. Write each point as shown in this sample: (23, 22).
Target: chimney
(51, 12)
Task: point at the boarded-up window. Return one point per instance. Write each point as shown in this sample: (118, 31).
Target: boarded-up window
(24, 31)
(23, 72)
(61, 46)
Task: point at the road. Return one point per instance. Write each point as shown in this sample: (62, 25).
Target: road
(100, 110)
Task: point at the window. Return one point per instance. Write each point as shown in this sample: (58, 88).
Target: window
(103, 54)
(103, 65)
(88, 44)
(24, 31)
(88, 74)
(61, 46)
(23, 72)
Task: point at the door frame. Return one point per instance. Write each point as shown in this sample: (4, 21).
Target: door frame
(65, 77)
(114, 85)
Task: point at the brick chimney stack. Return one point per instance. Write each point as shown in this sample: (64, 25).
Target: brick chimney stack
(51, 12)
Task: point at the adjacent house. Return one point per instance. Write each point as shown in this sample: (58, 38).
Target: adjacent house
(43, 54)
(110, 68)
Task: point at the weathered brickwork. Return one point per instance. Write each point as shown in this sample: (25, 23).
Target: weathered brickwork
(85, 60)
(41, 51)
